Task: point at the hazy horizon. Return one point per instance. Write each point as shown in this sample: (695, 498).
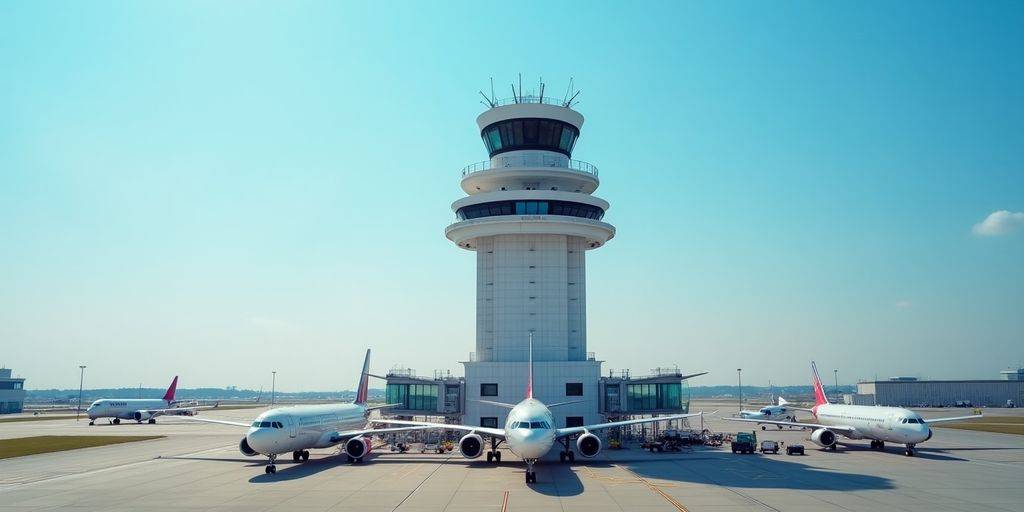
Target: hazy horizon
(218, 192)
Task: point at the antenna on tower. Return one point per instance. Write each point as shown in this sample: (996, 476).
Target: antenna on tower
(493, 99)
(568, 91)
(541, 90)
(489, 101)
(514, 97)
(520, 85)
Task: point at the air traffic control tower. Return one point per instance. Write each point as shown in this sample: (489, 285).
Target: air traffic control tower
(531, 216)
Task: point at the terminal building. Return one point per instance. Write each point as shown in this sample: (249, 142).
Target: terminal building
(530, 216)
(12, 392)
(911, 392)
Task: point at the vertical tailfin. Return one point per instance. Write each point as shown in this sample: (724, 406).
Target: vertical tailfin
(529, 375)
(363, 388)
(782, 401)
(819, 390)
(169, 395)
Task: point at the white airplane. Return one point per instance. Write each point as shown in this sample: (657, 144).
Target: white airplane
(879, 424)
(139, 409)
(781, 412)
(300, 427)
(530, 432)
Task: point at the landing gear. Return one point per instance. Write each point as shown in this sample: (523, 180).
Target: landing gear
(833, 447)
(353, 460)
(305, 455)
(531, 477)
(567, 454)
(271, 468)
(117, 421)
(92, 422)
(910, 450)
(877, 445)
(152, 421)
(494, 455)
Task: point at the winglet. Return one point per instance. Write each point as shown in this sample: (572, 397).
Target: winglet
(363, 388)
(529, 376)
(819, 391)
(169, 395)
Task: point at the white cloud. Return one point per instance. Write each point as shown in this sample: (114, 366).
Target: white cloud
(999, 223)
(903, 304)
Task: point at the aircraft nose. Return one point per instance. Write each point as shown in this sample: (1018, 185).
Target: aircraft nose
(261, 440)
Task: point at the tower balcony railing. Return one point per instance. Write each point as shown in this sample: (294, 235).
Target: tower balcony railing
(558, 162)
(531, 98)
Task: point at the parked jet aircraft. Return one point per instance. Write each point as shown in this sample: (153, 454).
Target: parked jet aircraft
(139, 409)
(879, 424)
(530, 432)
(781, 412)
(300, 427)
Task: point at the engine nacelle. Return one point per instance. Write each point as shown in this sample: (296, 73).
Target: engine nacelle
(142, 416)
(243, 446)
(588, 445)
(823, 437)
(471, 446)
(357, 447)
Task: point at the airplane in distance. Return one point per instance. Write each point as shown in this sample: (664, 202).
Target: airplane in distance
(530, 431)
(298, 428)
(139, 409)
(782, 412)
(879, 424)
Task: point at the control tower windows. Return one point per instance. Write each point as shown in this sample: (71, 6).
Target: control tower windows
(518, 134)
(566, 208)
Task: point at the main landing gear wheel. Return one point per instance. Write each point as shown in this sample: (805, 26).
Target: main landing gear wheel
(877, 445)
(117, 421)
(152, 421)
(296, 455)
(305, 455)
(92, 422)
(567, 456)
(910, 450)
(494, 456)
(834, 447)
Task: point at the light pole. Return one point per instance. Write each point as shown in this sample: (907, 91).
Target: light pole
(836, 373)
(81, 380)
(273, 387)
(739, 378)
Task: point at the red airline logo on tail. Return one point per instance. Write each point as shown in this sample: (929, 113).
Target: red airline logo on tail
(169, 395)
(819, 391)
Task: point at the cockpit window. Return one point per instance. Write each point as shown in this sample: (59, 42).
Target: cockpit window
(539, 424)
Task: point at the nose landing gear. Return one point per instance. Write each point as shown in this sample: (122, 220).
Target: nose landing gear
(271, 468)
(531, 477)
(910, 450)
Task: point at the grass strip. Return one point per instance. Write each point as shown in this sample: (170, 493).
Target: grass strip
(21, 446)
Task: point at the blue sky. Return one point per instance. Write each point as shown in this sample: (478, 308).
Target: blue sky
(222, 189)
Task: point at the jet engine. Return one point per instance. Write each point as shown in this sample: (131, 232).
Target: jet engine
(243, 446)
(357, 447)
(471, 446)
(823, 437)
(142, 416)
(588, 444)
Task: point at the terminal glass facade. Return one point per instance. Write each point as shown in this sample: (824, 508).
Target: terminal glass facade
(649, 397)
(414, 397)
(517, 134)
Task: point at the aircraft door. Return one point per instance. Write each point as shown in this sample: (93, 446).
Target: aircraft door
(292, 426)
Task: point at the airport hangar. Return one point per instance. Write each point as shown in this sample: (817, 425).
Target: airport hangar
(909, 391)
(530, 216)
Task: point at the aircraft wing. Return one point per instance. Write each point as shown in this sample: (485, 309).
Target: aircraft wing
(568, 431)
(337, 437)
(842, 429)
(493, 432)
(221, 422)
(175, 410)
(946, 420)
